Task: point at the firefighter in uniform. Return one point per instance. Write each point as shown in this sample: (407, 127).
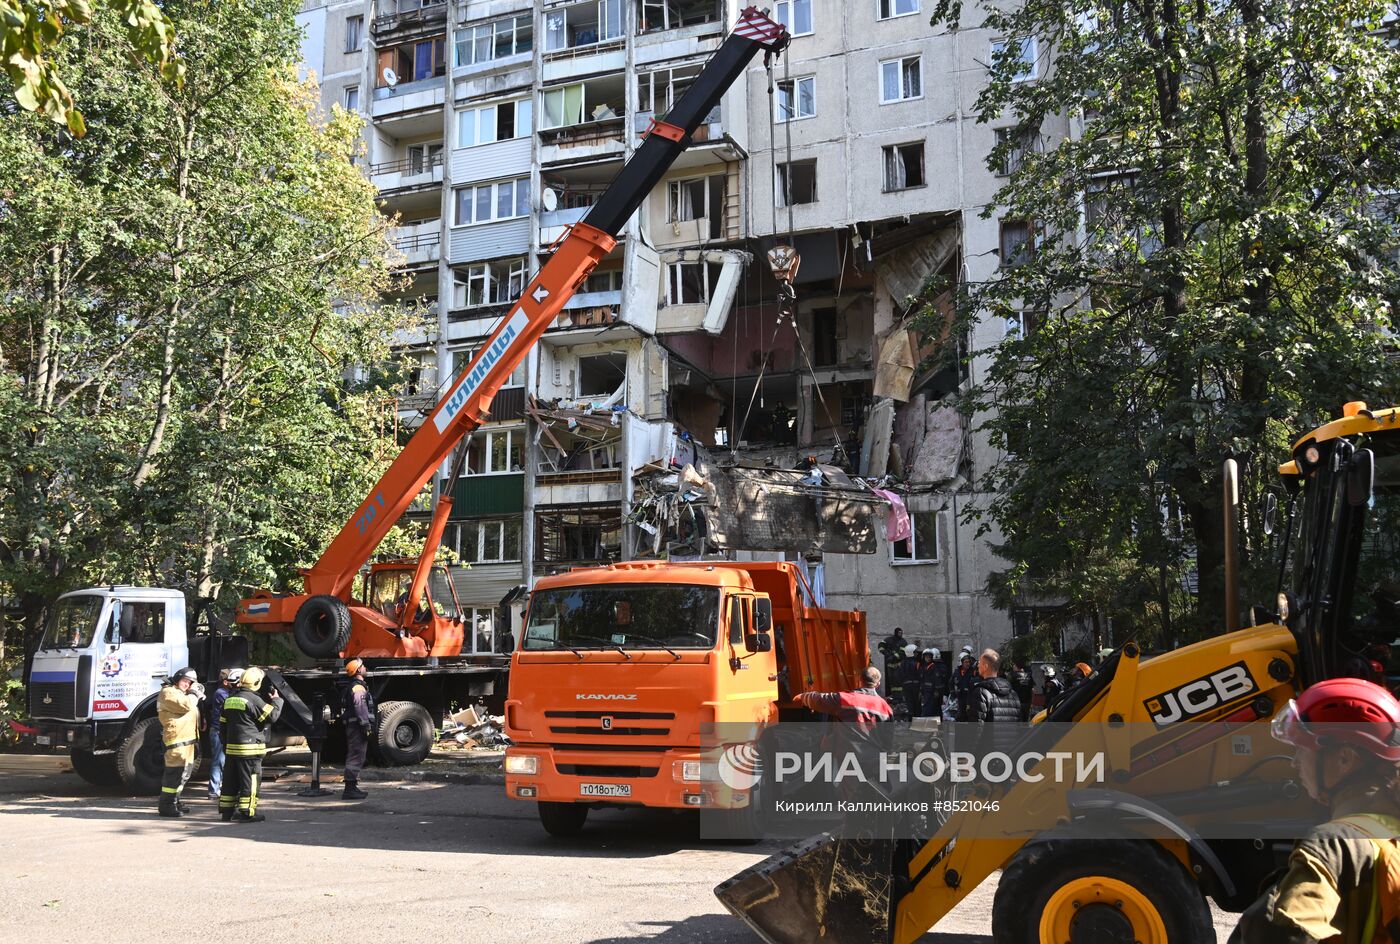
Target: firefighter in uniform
(358, 715)
(244, 723)
(178, 710)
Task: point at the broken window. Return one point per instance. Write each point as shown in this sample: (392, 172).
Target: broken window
(1017, 142)
(566, 535)
(824, 347)
(582, 24)
(653, 15)
(604, 280)
(690, 283)
(461, 357)
(921, 547)
(424, 157)
(901, 79)
(699, 198)
(796, 98)
(600, 375)
(421, 374)
(904, 166)
(412, 62)
(354, 33)
(1017, 242)
(797, 183)
(658, 91)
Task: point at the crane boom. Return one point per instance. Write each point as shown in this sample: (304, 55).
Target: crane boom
(466, 404)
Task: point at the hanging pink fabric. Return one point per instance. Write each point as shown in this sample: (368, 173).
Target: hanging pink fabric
(897, 526)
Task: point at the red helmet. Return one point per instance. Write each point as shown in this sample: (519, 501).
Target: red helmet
(1343, 711)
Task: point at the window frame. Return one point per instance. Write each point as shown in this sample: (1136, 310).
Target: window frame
(497, 272)
(1030, 144)
(358, 33)
(1032, 240)
(470, 42)
(781, 192)
(462, 356)
(487, 530)
(791, 6)
(493, 203)
(1033, 62)
(796, 99)
(899, 62)
(886, 155)
(674, 281)
(345, 95)
(913, 543)
(882, 17)
(475, 112)
(513, 435)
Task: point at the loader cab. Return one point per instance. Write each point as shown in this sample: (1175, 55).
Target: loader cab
(388, 585)
(1341, 589)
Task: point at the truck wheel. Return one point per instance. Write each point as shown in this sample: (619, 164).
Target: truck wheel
(322, 626)
(100, 770)
(1098, 890)
(405, 733)
(140, 759)
(562, 819)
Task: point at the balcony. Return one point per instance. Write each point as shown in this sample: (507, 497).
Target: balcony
(591, 31)
(420, 243)
(554, 224)
(409, 109)
(408, 173)
(408, 18)
(589, 140)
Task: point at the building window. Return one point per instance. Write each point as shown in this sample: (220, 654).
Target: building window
(461, 358)
(1025, 51)
(1022, 324)
(352, 98)
(921, 547)
(578, 534)
(1017, 242)
(690, 283)
(797, 183)
(901, 79)
(583, 24)
(498, 39)
(486, 203)
(412, 62)
(655, 15)
(491, 123)
(354, 33)
(420, 374)
(1016, 144)
(699, 198)
(892, 8)
(796, 98)
(658, 91)
(796, 15)
(496, 452)
(489, 283)
(486, 542)
(424, 157)
(904, 166)
(603, 280)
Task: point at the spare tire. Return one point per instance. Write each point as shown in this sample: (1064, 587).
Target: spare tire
(322, 626)
(404, 734)
(141, 758)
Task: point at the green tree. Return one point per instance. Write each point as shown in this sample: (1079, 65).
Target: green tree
(30, 31)
(187, 290)
(1211, 271)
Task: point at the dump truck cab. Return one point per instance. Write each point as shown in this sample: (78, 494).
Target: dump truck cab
(622, 671)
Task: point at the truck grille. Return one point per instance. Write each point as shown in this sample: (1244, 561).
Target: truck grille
(52, 700)
(627, 715)
(606, 770)
(608, 732)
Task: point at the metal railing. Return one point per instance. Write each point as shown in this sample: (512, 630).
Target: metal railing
(417, 242)
(425, 10)
(408, 165)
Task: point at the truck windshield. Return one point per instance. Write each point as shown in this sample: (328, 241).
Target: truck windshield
(73, 622)
(632, 616)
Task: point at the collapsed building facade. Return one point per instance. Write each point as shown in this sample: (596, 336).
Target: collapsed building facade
(679, 407)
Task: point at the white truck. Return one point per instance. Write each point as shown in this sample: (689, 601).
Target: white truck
(106, 651)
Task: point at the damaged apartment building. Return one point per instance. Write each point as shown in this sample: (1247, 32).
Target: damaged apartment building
(678, 407)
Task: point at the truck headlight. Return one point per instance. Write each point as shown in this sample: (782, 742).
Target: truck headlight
(694, 771)
(527, 764)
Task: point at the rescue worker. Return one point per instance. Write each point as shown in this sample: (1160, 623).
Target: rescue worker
(178, 710)
(1080, 675)
(1023, 686)
(933, 683)
(245, 721)
(892, 648)
(228, 681)
(861, 732)
(1053, 687)
(909, 681)
(964, 678)
(1343, 879)
(358, 715)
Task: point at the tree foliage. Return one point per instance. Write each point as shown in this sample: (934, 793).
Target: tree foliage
(1212, 273)
(186, 289)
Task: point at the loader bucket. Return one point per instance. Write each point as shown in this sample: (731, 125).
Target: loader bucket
(820, 889)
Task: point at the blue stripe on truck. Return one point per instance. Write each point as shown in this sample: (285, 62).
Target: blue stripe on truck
(52, 676)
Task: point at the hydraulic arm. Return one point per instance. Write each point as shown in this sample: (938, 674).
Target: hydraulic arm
(466, 404)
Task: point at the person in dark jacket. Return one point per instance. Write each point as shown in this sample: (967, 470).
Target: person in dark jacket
(909, 681)
(1023, 686)
(228, 681)
(964, 678)
(358, 716)
(245, 721)
(862, 730)
(1053, 689)
(994, 703)
(933, 683)
(892, 648)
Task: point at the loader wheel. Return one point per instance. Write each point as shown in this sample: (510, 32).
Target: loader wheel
(1098, 892)
(322, 626)
(562, 819)
(100, 770)
(404, 734)
(141, 758)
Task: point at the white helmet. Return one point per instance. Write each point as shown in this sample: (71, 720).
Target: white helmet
(1049, 671)
(937, 654)
(235, 676)
(910, 649)
(967, 650)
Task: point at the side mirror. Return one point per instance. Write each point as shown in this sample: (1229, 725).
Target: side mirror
(1361, 478)
(114, 635)
(1270, 514)
(758, 642)
(762, 614)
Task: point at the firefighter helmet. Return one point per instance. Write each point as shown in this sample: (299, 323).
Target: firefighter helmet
(1348, 711)
(252, 679)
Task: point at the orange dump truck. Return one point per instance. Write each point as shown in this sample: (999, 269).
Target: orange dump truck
(621, 668)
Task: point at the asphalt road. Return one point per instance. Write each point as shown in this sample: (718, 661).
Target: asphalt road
(416, 861)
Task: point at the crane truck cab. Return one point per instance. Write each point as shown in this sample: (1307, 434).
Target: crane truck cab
(94, 680)
(622, 671)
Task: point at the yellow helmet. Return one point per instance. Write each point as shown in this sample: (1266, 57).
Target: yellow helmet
(252, 679)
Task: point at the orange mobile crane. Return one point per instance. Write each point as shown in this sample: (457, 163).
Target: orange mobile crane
(407, 609)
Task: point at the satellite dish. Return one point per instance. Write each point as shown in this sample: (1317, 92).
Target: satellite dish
(550, 199)
(391, 78)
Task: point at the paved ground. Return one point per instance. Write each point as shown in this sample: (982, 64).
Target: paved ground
(425, 861)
